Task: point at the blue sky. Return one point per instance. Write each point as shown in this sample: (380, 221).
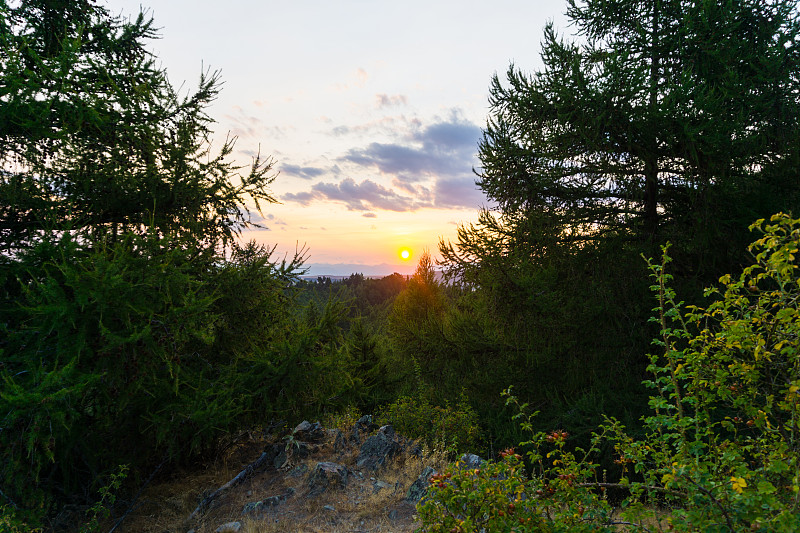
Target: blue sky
(371, 110)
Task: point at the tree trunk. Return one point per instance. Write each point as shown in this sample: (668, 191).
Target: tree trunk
(651, 157)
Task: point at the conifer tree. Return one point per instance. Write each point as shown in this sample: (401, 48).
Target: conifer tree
(118, 310)
(96, 141)
(664, 119)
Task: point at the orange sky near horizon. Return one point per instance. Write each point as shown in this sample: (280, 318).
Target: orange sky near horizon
(371, 111)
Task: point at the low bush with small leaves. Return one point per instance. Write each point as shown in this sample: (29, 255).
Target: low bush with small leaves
(454, 427)
(721, 448)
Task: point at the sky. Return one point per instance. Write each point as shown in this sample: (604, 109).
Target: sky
(371, 110)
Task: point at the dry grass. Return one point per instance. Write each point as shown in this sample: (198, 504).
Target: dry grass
(361, 507)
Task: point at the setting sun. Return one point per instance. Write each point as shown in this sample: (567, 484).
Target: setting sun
(405, 254)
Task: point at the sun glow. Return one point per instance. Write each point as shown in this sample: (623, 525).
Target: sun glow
(405, 254)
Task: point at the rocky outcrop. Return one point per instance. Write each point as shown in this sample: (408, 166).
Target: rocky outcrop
(259, 507)
(229, 527)
(310, 461)
(378, 449)
(326, 476)
(420, 486)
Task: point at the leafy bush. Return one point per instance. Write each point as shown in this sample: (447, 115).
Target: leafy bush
(721, 450)
(453, 427)
(723, 443)
(11, 522)
(499, 497)
(129, 339)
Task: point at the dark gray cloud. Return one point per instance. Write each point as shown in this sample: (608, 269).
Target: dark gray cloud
(307, 173)
(428, 166)
(446, 148)
(411, 162)
(268, 219)
(364, 196)
(455, 136)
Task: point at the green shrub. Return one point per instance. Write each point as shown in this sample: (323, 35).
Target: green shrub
(11, 522)
(114, 342)
(500, 497)
(721, 449)
(453, 427)
(724, 440)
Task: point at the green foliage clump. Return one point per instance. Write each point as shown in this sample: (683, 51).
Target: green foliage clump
(129, 339)
(500, 496)
(454, 427)
(721, 449)
(11, 522)
(724, 441)
(134, 329)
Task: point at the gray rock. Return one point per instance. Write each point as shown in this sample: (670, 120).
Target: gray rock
(308, 432)
(379, 485)
(378, 449)
(420, 486)
(329, 507)
(261, 506)
(280, 459)
(470, 460)
(229, 527)
(363, 427)
(327, 475)
(339, 441)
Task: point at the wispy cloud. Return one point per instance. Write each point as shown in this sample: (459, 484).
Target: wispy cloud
(269, 218)
(386, 100)
(305, 172)
(458, 193)
(275, 220)
(399, 126)
(365, 196)
(444, 148)
(247, 126)
(357, 80)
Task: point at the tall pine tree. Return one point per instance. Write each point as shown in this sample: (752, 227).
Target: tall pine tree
(96, 141)
(665, 119)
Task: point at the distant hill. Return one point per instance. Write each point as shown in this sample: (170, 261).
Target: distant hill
(340, 270)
